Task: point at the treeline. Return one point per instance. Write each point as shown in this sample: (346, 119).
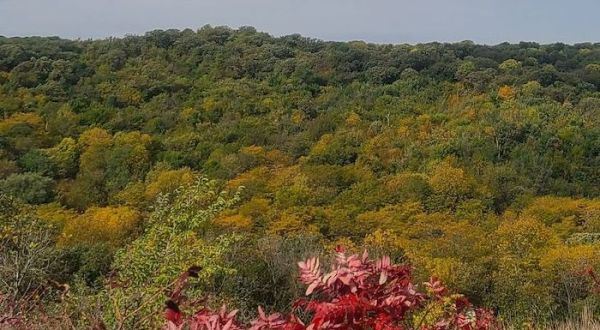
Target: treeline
(125, 157)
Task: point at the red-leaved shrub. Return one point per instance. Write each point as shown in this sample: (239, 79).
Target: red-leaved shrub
(356, 293)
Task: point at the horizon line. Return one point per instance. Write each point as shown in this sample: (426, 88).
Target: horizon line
(273, 35)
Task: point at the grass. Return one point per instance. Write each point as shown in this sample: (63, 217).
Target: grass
(586, 321)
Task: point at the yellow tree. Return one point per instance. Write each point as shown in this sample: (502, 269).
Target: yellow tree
(109, 225)
(520, 289)
(450, 186)
(567, 269)
(506, 93)
(166, 181)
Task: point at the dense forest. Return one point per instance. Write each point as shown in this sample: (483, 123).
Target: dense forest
(125, 161)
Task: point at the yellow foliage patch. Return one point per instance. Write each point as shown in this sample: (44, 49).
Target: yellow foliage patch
(506, 93)
(167, 181)
(235, 221)
(30, 119)
(111, 225)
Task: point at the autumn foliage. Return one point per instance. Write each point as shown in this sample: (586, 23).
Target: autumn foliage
(126, 159)
(355, 293)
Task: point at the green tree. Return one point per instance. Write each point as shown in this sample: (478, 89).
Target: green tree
(32, 188)
(174, 240)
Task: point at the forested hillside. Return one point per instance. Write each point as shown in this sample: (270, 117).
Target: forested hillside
(125, 161)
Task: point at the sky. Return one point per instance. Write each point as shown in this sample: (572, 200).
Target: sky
(380, 21)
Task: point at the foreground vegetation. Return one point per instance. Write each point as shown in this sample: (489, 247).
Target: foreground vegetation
(356, 293)
(123, 162)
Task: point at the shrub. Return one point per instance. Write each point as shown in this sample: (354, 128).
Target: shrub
(358, 293)
(28, 257)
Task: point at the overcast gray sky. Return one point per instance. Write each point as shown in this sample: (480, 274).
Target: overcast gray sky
(483, 21)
